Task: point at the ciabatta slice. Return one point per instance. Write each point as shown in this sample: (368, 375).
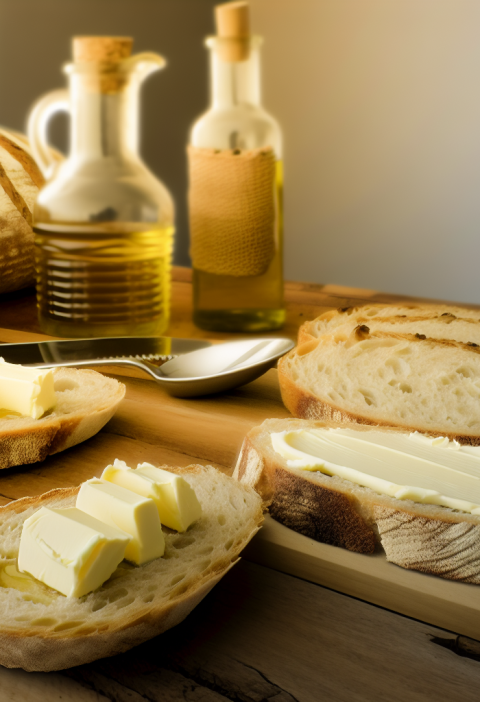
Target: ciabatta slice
(435, 321)
(86, 400)
(405, 380)
(431, 539)
(136, 603)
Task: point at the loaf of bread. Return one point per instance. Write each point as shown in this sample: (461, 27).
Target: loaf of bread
(424, 537)
(86, 400)
(385, 375)
(20, 181)
(435, 321)
(136, 603)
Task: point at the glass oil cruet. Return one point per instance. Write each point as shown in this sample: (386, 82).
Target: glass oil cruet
(235, 193)
(103, 223)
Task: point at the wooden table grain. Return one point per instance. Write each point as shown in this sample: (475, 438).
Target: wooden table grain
(260, 634)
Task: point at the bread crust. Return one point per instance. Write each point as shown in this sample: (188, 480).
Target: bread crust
(20, 180)
(315, 511)
(24, 441)
(37, 653)
(40, 648)
(363, 314)
(427, 538)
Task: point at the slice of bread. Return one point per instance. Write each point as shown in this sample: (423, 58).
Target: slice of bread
(427, 538)
(377, 377)
(136, 603)
(435, 321)
(86, 400)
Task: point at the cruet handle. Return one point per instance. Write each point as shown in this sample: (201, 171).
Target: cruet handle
(42, 111)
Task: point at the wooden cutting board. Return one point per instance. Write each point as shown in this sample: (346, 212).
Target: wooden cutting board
(152, 426)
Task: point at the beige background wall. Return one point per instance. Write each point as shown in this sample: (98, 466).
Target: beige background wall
(380, 105)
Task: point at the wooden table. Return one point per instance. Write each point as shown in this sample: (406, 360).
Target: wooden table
(261, 634)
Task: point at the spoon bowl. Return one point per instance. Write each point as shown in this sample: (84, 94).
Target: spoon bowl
(221, 367)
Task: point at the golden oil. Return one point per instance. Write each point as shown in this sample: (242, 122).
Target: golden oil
(244, 303)
(32, 590)
(95, 281)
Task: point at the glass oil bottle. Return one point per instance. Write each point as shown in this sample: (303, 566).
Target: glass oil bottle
(103, 223)
(235, 195)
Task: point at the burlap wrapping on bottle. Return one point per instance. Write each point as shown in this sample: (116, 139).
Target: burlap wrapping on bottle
(232, 210)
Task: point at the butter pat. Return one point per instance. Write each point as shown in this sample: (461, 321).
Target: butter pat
(176, 501)
(28, 391)
(136, 515)
(69, 550)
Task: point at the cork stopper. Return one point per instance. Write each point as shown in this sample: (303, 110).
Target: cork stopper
(101, 49)
(103, 56)
(233, 30)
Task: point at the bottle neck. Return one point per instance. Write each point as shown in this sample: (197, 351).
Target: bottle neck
(234, 83)
(104, 125)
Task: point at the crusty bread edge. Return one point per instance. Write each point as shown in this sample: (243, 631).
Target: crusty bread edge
(51, 434)
(42, 654)
(315, 511)
(308, 330)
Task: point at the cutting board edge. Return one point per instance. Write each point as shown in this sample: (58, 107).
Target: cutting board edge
(450, 605)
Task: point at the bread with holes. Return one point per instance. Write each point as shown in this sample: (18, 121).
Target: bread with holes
(391, 378)
(435, 321)
(136, 603)
(427, 538)
(86, 400)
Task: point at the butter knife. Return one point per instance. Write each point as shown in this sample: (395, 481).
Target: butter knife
(70, 350)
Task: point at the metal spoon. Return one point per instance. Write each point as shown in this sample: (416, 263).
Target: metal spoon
(209, 370)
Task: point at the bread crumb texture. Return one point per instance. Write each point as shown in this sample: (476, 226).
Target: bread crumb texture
(136, 603)
(415, 367)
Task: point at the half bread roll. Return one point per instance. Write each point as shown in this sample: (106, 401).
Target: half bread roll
(86, 400)
(46, 631)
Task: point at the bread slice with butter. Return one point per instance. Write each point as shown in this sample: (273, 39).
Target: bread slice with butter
(85, 401)
(42, 630)
(349, 497)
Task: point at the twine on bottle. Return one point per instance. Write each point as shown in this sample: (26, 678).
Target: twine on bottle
(232, 210)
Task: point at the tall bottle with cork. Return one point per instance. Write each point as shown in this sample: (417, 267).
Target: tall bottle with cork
(103, 222)
(235, 194)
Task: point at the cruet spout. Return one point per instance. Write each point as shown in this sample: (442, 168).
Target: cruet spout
(143, 64)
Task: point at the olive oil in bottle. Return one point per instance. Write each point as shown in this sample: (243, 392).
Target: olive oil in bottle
(103, 223)
(235, 195)
(103, 281)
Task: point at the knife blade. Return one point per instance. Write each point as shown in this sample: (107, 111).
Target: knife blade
(161, 347)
